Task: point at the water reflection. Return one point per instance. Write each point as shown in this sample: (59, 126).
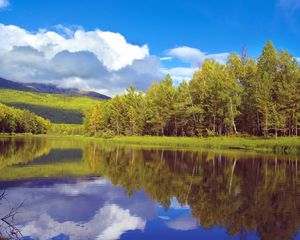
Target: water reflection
(76, 190)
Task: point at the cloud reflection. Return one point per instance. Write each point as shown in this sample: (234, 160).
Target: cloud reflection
(86, 209)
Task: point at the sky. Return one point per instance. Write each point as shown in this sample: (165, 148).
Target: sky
(108, 45)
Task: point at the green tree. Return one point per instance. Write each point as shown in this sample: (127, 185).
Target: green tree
(161, 97)
(266, 75)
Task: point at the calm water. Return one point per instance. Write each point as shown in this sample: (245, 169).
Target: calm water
(75, 190)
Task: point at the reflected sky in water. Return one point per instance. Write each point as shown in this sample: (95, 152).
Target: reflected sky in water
(89, 191)
(90, 208)
(93, 208)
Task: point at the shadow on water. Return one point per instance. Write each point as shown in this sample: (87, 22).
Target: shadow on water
(136, 193)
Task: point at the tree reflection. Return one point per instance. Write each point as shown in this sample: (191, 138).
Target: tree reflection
(17, 151)
(243, 193)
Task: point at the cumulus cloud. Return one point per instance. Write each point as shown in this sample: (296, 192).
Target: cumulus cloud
(117, 221)
(179, 74)
(52, 210)
(195, 56)
(68, 57)
(298, 59)
(183, 223)
(90, 60)
(110, 48)
(4, 3)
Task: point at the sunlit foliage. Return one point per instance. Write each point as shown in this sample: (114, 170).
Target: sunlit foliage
(243, 96)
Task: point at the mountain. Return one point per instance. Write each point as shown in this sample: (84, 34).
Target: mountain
(48, 88)
(6, 84)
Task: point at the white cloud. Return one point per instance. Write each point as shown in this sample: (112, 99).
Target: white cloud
(105, 211)
(166, 58)
(110, 48)
(219, 57)
(94, 60)
(179, 74)
(183, 223)
(298, 59)
(195, 56)
(89, 60)
(187, 54)
(109, 223)
(4, 3)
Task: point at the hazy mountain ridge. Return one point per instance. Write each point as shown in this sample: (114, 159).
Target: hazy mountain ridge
(48, 88)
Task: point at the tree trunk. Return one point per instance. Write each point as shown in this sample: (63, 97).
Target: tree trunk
(175, 126)
(194, 116)
(232, 117)
(214, 124)
(232, 173)
(95, 130)
(258, 124)
(266, 122)
(118, 130)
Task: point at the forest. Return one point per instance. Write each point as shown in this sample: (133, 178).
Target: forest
(243, 96)
(13, 120)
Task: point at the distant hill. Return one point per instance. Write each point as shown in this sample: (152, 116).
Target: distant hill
(58, 108)
(48, 88)
(6, 84)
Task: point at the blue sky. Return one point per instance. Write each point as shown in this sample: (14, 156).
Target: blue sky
(203, 28)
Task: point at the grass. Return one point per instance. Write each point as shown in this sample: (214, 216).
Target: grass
(47, 100)
(56, 107)
(283, 145)
(280, 145)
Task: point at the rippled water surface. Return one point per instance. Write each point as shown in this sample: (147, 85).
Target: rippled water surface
(68, 189)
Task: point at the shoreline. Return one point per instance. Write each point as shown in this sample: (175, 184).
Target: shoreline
(280, 145)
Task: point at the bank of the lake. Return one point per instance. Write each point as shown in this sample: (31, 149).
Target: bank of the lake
(280, 145)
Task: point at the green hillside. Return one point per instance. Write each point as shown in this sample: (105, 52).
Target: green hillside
(55, 107)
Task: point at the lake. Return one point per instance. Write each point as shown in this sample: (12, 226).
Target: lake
(63, 188)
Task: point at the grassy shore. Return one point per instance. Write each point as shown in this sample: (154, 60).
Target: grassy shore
(282, 145)
(279, 145)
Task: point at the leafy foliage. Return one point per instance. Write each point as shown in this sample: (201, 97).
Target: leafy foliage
(66, 129)
(14, 120)
(241, 96)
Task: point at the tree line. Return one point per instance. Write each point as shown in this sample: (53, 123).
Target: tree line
(14, 120)
(257, 97)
